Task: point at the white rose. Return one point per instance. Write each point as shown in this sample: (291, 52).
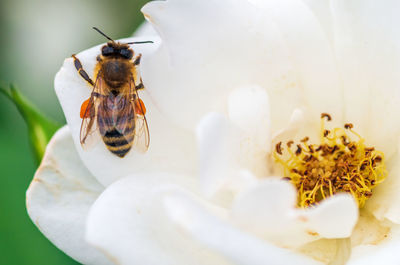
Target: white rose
(226, 81)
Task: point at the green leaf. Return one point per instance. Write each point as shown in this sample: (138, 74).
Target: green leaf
(40, 128)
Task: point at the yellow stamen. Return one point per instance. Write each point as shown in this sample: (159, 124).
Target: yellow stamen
(338, 164)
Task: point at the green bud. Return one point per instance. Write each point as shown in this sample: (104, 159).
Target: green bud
(40, 128)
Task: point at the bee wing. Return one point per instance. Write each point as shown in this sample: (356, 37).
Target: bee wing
(142, 136)
(89, 113)
(124, 118)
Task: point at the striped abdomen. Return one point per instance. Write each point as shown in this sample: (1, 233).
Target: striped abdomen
(118, 143)
(116, 122)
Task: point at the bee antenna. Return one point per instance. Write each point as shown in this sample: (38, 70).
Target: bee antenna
(99, 31)
(140, 42)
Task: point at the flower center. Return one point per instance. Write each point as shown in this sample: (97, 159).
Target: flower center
(338, 164)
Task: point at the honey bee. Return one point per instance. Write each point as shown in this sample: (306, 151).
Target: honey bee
(114, 106)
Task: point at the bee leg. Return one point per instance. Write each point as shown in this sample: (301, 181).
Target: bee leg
(140, 85)
(80, 70)
(137, 59)
(96, 94)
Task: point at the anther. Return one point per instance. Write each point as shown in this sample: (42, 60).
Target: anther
(344, 140)
(334, 149)
(299, 149)
(352, 147)
(368, 194)
(308, 158)
(327, 116)
(311, 148)
(289, 144)
(326, 133)
(305, 139)
(278, 148)
(348, 126)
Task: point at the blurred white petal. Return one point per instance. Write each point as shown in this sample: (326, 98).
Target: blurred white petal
(128, 222)
(234, 45)
(60, 196)
(367, 45)
(269, 210)
(219, 146)
(198, 222)
(145, 30)
(311, 55)
(322, 11)
(227, 152)
(249, 109)
(385, 252)
(296, 123)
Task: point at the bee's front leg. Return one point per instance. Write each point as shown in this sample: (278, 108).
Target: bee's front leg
(81, 71)
(140, 85)
(137, 59)
(136, 62)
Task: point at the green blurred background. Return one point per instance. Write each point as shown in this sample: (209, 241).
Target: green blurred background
(35, 37)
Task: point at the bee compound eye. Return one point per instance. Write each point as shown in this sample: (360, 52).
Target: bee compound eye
(106, 50)
(126, 53)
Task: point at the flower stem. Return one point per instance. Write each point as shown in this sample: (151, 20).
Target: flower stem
(40, 128)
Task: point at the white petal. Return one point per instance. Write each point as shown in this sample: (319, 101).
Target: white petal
(128, 222)
(144, 30)
(328, 251)
(367, 45)
(296, 123)
(311, 54)
(370, 231)
(226, 155)
(218, 144)
(249, 109)
(265, 208)
(204, 57)
(268, 209)
(59, 199)
(213, 232)
(335, 217)
(322, 11)
(171, 149)
(385, 252)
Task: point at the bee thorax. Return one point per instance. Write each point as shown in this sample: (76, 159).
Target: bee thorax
(115, 72)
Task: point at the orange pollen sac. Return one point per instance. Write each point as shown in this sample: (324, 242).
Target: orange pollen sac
(85, 113)
(140, 109)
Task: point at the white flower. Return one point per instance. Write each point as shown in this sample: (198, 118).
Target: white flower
(226, 80)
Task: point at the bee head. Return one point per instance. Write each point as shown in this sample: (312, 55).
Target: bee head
(117, 50)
